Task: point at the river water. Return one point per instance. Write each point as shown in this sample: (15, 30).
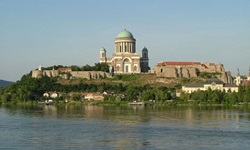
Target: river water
(124, 127)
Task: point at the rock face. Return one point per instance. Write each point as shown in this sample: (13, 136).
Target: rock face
(191, 70)
(70, 74)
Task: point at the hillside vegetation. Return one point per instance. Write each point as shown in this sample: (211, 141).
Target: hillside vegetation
(132, 87)
(134, 79)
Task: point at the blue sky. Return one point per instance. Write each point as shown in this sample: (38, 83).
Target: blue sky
(71, 32)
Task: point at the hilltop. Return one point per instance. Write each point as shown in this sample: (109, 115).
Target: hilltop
(4, 83)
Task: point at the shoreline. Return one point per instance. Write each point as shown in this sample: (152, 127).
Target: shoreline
(122, 103)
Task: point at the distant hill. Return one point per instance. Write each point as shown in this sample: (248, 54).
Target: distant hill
(4, 83)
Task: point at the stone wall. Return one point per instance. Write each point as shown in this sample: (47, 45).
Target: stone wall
(71, 74)
(40, 73)
(191, 70)
(89, 74)
(176, 72)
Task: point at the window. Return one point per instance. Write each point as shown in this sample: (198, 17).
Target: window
(161, 70)
(135, 67)
(126, 68)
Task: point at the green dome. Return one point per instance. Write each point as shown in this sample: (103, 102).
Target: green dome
(125, 34)
(144, 49)
(103, 49)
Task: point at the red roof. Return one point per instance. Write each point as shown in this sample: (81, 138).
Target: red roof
(175, 63)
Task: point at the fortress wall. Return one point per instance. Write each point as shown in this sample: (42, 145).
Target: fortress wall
(185, 73)
(226, 77)
(72, 74)
(50, 73)
(189, 71)
(80, 74)
(37, 73)
(193, 72)
(89, 74)
(166, 72)
(40, 73)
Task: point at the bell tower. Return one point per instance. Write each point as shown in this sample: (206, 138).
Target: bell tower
(103, 58)
(144, 60)
(238, 78)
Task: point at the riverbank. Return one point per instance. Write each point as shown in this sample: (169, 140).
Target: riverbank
(145, 103)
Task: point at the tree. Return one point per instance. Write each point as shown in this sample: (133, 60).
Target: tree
(148, 95)
(75, 68)
(240, 94)
(132, 93)
(76, 97)
(247, 94)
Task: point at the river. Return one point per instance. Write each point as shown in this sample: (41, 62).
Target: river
(124, 127)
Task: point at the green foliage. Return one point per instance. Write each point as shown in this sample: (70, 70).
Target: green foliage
(117, 77)
(158, 94)
(28, 88)
(208, 74)
(98, 67)
(75, 68)
(219, 97)
(126, 77)
(185, 80)
(76, 97)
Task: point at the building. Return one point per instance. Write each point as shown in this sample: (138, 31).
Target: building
(125, 59)
(191, 70)
(213, 84)
(94, 96)
(240, 81)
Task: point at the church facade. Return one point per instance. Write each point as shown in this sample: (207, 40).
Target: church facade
(125, 60)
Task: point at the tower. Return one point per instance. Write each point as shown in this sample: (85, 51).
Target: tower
(144, 60)
(238, 78)
(103, 58)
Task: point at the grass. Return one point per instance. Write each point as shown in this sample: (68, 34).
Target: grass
(134, 79)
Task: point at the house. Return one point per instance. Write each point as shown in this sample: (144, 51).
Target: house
(94, 96)
(213, 84)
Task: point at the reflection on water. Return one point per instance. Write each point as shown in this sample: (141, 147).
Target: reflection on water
(124, 127)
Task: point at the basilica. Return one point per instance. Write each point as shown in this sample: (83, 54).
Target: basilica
(125, 60)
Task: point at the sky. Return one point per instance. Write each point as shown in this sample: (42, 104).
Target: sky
(72, 32)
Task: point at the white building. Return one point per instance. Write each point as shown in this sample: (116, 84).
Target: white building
(213, 84)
